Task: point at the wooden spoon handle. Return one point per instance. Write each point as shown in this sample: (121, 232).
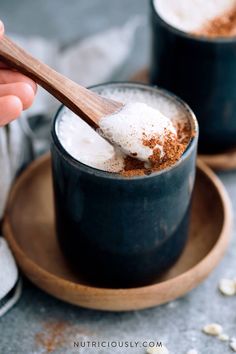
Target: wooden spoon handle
(87, 104)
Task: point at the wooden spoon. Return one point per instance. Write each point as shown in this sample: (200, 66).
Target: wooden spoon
(88, 105)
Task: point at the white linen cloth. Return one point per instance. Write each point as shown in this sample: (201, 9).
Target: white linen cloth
(88, 62)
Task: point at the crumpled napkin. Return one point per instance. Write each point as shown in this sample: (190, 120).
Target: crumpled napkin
(10, 285)
(90, 61)
(15, 152)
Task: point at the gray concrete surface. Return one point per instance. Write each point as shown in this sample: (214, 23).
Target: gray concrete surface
(25, 329)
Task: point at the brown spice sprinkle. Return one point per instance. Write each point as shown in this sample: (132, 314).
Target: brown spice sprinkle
(221, 26)
(52, 337)
(173, 148)
(56, 335)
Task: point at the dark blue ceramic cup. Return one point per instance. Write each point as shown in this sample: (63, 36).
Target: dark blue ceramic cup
(202, 71)
(116, 231)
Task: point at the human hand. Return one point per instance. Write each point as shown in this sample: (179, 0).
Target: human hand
(16, 91)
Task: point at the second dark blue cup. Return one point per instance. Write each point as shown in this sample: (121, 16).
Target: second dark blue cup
(202, 71)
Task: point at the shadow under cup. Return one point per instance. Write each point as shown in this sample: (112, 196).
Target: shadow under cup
(120, 232)
(202, 71)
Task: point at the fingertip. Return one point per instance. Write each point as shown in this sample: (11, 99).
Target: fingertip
(34, 86)
(14, 106)
(16, 103)
(28, 94)
(10, 109)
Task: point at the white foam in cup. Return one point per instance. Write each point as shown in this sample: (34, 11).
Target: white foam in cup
(87, 146)
(191, 15)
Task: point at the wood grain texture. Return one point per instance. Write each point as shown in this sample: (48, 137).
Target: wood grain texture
(224, 161)
(29, 229)
(87, 104)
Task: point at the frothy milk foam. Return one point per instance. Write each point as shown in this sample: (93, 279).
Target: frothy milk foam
(135, 123)
(191, 15)
(88, 147)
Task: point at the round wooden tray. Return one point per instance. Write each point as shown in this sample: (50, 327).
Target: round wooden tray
(29, 229)
(221, 162)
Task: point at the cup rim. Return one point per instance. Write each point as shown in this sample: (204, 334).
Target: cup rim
(203, 39)
(105, 174)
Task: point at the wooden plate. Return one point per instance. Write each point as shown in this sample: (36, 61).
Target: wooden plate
(29, 228)
(220, 162)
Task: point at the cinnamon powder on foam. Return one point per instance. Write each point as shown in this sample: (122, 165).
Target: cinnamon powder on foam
(221, 26)
(173, 149)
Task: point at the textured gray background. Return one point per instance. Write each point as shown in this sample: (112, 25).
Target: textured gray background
(177, 324)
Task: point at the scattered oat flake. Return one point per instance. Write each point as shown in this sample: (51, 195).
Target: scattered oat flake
(223, 337)
(232, 345)
(172, 304)
(227, 287)
(192, 351)
(213, 329)
(158, 350)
